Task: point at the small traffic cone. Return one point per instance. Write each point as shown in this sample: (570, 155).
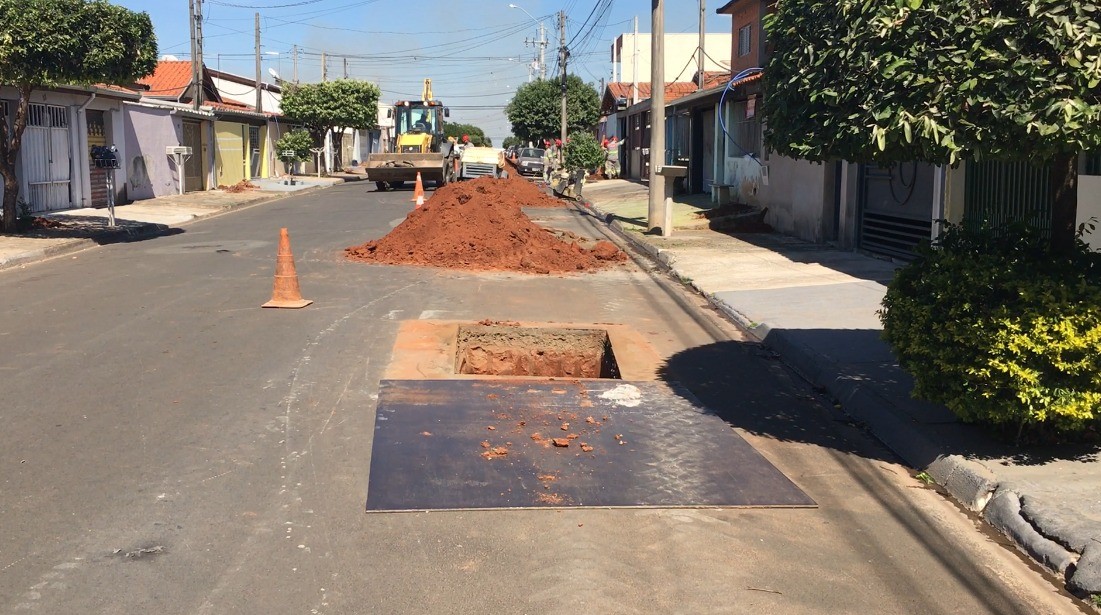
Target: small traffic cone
(418, 191)
(285, 293)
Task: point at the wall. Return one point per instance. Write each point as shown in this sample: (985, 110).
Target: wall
(800, 198)
(1089, 206)
(680, 50)
(148, 132)
(229, 153)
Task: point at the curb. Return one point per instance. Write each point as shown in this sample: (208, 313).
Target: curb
(140, 231)
(971, 484)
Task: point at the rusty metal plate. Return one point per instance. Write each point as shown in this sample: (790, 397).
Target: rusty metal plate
(490, 444)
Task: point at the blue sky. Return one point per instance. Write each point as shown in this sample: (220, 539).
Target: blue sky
(474, 50)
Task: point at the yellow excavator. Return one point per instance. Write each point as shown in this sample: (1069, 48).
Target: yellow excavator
(418, 145)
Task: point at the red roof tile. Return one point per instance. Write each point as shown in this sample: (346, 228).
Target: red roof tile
(673, 90)
(170, 80)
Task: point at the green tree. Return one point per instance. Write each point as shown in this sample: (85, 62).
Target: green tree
(536, 110)
(46, 43)
(512, 140)
(297, 143)
(583, 151)
(332, 107)
(477, 135)
(939, 81)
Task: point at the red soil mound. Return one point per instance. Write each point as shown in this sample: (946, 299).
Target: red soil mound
(522, 192)
(478, 225)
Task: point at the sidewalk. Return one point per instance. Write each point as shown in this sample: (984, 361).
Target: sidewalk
(77, 229)
(816, 307)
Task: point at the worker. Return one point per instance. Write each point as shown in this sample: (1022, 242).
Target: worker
(423, 123)
(550, 161)
(611, 159)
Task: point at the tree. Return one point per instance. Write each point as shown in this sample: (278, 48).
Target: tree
(296, 143)
(477, 135)
(536, 110)
(583, 151)
(939, 81)
(332, 107)
(512, 140)
(53, 42)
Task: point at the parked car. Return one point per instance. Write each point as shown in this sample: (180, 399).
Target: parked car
(529, 161)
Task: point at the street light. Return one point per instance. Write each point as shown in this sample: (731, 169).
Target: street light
(541, 42)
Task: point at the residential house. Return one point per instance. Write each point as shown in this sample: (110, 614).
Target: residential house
(235, 144)
(152, 127)
(631, 56)
(55, 166)
(634, 127)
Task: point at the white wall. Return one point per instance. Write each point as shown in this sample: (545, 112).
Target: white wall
(246, 94)
(1089, 206)
(680, 50)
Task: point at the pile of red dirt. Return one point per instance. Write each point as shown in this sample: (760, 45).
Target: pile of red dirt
(240, 186)
(521, 192)
(478, 225)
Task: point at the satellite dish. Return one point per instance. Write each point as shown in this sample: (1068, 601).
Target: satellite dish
(274, 75)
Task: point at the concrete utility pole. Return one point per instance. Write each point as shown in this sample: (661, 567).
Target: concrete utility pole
(699, 61)
(563, 56)
(196, 8)
(634, 66)
(259, 91)
(324, 68)
(656, 210)
(294, 55)
(542, 52)
(345, 67)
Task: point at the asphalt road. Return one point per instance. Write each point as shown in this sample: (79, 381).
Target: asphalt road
(169, 447)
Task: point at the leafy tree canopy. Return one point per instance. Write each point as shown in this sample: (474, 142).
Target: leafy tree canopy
(477, 135)
(933, 80)
(53, 42)
(536, 112)
(332, 105)
(511, 140)
(50, 42)
(583, 151)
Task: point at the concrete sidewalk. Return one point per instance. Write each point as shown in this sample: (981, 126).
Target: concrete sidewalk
(816, 307)
(77, 229)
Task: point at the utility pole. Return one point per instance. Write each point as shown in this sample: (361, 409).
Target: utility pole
(699, 60)
(345, 67)
(656, 214)
(324, 68)
(634, 64)
(196, 9)
(294, 55)
(541, 43)
(563, 56)
(259, 91)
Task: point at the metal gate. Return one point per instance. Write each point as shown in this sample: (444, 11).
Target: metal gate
(46, 157)
(896, 205)
(254, 152)
(193, 167)
(998, 193)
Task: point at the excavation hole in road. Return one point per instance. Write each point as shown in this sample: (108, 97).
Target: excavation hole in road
(502, 350)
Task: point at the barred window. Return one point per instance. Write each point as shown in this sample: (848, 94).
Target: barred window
(745, 40)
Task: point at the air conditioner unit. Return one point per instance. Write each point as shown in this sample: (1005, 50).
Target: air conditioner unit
(172, 150)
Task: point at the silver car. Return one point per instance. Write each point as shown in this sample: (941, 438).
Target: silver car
(530, 161)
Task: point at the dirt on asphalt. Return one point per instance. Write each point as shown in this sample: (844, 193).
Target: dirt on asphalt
(478, 225)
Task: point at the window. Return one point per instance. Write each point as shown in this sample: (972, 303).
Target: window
(745, 40)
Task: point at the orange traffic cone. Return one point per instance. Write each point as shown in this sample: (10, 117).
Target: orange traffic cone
(286, 293)
(418, 191)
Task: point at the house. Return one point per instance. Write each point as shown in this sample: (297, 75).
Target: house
(55, 167)
(631, 56)
(235, 142)
(152, 126)
(634, 124)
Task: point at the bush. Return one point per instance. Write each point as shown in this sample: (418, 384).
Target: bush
(1001, 331)
(583, 152)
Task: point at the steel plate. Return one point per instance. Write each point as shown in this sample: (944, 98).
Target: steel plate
(486, 444)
